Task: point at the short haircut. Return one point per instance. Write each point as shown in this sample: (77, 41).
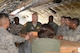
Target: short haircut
(76, 21)
(16, 18)
(46, 32)
(35, 13)
(47, 26)
(51, 17)
(4, 15)
(69, 18)
(63, 17)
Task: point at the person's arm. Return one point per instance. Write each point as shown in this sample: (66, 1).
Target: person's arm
(19, 39)
(9, 43)
(74, 37)
(58, 31)
(23, 31)
(65, 38)
(77, 38)
(26, 28)
(68, 36)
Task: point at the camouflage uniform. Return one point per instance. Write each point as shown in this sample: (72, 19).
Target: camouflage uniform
(7, 41)
(62, 30)
(73, 35)
(15, 29)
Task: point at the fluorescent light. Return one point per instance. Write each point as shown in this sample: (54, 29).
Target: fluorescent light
(79, 50)
(16, 11)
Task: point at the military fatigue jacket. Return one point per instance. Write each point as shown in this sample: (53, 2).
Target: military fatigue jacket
(62, 30)
(7, 41)
(15, 29)
(73, 35)
(30, 27)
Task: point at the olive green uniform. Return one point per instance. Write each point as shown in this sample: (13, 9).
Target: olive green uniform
(54, 26)
(15, 29)
(30, 27)
(45, 45)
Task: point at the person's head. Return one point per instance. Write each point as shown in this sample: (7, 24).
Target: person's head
(46, 32)
(75, 23)
(63, 20)
(67, 21)
(51, 18)
(35, 17)
(16, 20)
(4, 20)
(48, 27)
(70, 26)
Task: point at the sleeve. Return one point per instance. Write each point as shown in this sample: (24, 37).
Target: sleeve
(40, 26)
(18, 39)
(58, 31)
(77, 34)
(56, 28)
(77, 38)
(69, 36)
(23, 31)
(74, 37)
(28, 27)
(65, 38)
(10, 45)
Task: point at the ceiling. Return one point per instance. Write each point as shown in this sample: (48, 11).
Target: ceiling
(71, 9)
(48, 7)
(11, 5)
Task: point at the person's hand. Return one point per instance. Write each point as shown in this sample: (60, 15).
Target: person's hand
(60, 37)
(30, 33)
(27, 37)
(22, 35)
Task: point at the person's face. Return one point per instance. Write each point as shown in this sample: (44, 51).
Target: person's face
(50, 20)
(35, 18)
(73, 25)
(67, 22)
(16, 21)
(62, 21)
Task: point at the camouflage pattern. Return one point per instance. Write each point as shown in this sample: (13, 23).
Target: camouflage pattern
(15, 29)
(73, 35)
(62, 30)
(7, 41)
